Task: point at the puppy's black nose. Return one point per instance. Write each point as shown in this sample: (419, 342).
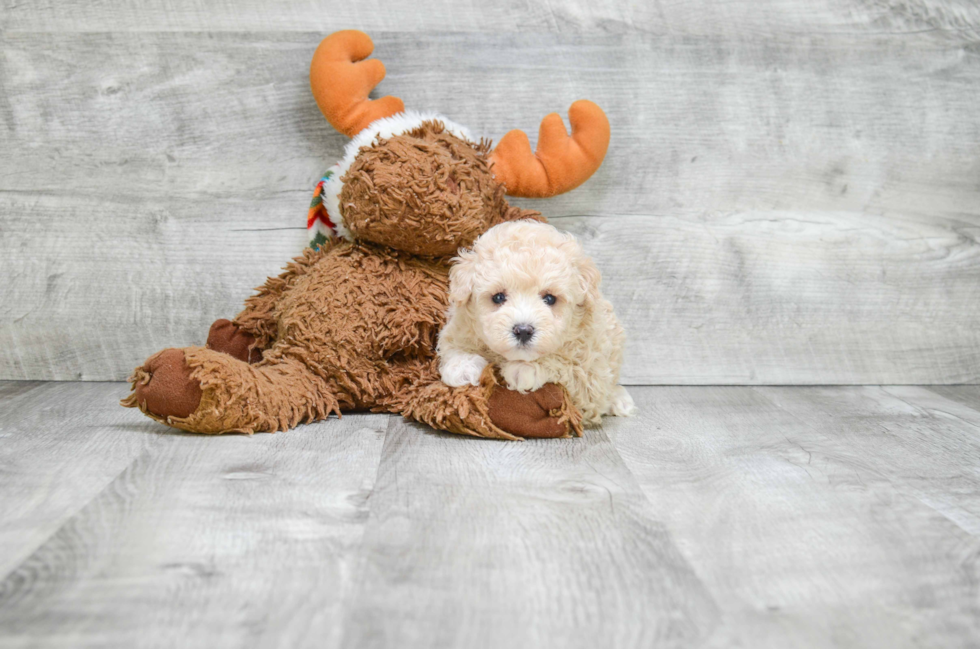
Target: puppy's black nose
(523, 333)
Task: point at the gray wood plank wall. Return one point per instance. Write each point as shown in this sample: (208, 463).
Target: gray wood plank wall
(791, 193)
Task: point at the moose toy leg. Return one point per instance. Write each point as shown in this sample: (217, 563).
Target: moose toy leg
(163, 387)
(205, 391)
(491, 410)
(227, 337)
(547, 412)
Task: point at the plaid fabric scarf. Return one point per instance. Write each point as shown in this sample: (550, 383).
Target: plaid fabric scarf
(319, 227)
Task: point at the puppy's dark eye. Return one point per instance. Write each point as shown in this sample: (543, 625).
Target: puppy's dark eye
(549, 299)
(499, 298)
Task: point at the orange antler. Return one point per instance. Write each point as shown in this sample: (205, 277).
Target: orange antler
(341, 80)
(561, 163)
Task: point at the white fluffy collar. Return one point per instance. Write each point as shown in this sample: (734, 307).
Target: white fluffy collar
(383, 128)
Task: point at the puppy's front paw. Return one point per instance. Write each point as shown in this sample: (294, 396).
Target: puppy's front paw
(622, 403)
(462, 369)
(523, 377)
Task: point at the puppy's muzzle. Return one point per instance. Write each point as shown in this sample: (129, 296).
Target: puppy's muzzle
(523, 333)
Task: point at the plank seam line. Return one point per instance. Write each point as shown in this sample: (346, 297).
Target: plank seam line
(74, 514)
(899, 488)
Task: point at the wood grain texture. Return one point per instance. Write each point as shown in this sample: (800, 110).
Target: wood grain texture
(968, 395)
(701, 125)
(792, 297)
(818, 517)
(135, 279)
(60, 446)
(517, 545)
(199, 541)
(778, 205)
(935, 19)
(936, 460)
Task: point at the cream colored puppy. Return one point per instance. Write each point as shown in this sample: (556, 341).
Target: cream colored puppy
(526, 299)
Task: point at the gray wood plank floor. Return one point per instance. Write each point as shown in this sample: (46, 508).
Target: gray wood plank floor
(718, 517)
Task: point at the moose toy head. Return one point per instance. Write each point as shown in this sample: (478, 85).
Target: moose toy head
(421, 183)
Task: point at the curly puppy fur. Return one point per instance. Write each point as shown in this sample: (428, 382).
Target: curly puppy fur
(526, 299)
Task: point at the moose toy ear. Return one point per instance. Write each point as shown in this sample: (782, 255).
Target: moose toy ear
(462, 278)
(341, 79)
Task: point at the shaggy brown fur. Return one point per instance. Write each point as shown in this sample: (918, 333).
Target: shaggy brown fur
(425, 192)
(353, 325)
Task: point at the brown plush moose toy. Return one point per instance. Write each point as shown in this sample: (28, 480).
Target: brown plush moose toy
(352, 324)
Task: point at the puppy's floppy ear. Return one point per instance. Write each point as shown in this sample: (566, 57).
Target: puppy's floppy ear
(462, 277)
(589, 278)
